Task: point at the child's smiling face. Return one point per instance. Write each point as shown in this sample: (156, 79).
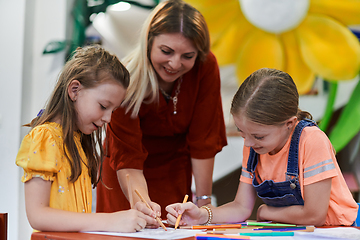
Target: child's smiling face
(94, 106)
(264, 138)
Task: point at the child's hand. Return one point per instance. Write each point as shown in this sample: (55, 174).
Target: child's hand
(152, 214)
(126, 221)
(191, 214)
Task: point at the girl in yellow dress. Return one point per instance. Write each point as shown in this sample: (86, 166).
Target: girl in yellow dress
(62, 154)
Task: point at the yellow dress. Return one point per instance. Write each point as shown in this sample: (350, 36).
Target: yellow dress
(41, 155)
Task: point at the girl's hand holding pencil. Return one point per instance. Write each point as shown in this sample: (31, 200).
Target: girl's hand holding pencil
(179, 217)
(191, 214)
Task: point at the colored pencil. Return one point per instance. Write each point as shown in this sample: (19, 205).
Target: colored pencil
(214, 226)
(250, 223)
(205, 236)
(217, 238)
(235, 231)
(179, 217)
(144, 201)
(267, 234)
(266, 229)
(283, 229)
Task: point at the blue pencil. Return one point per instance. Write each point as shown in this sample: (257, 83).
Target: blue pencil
(281, 229)
(268, 234)
(218, 238)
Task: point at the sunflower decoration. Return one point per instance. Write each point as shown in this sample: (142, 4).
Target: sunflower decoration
(305, 38)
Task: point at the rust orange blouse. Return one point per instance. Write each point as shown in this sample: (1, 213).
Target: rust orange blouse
(162, 143)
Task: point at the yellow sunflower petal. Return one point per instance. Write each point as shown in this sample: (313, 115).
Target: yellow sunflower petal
(213, 12)
(207, 3)
(259, 50)
(226, 48)
(303, 76)
(329, 48)
(345, 11)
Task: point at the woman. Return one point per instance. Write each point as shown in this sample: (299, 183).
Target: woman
(171, 124)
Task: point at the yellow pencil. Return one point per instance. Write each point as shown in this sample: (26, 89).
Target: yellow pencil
(144, 201)
(179, 217)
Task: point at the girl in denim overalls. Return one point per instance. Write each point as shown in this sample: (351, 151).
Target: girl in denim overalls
(287, 161)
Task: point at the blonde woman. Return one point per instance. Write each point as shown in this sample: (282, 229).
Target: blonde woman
(171, 124)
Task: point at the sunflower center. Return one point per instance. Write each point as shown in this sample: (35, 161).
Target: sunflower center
(275, 16)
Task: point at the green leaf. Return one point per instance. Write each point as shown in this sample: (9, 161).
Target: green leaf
(348, 124)
(55, 46)
(323, 125)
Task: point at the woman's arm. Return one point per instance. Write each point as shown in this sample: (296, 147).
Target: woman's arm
(44, 218)
(314, 211)
(203, 172)
(138, 182)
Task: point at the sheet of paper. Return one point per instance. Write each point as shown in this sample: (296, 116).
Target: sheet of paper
(330, 233)
(158, 233)
(319, 234)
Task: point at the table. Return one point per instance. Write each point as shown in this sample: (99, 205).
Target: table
(78, 236)
(88, 236)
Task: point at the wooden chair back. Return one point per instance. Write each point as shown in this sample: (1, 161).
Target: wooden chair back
(3, 226)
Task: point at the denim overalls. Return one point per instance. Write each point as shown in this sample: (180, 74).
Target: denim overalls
(287, 193)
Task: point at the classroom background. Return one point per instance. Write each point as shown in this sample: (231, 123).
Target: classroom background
(27, 76)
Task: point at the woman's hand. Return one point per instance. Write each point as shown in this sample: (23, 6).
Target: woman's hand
(191, 214)
(151, 213)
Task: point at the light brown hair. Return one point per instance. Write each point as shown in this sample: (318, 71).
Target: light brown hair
(88, 65)
(268, 96)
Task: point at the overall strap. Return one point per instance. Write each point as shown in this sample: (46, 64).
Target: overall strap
(252, 161)
(293, 158)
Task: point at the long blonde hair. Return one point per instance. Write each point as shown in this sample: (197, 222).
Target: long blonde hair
(269, 97)
(86, 65)
(173, 16)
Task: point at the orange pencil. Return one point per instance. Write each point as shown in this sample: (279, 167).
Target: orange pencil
(179, 217)
(214, 226)
(157, 218)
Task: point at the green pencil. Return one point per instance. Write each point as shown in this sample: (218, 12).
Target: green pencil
(268, 234)
(269, 224)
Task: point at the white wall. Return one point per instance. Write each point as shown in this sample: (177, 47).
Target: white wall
(27, 78)
(11, 51)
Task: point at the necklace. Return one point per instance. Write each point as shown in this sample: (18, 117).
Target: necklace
(175, 98)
